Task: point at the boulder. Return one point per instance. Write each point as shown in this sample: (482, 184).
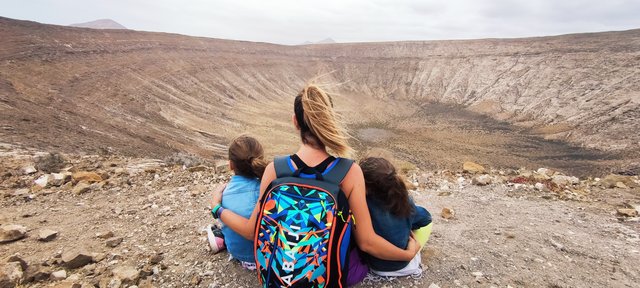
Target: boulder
(76, 259)
(90, 177)
(68, 284)
(611, 181)
(12, 232)
(472, 168)
(46, 235)
(481, 180)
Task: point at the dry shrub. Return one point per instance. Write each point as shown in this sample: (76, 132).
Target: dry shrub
(184, 159)
(50, 163)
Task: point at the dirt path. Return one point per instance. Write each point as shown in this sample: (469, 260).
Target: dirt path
(497, 238)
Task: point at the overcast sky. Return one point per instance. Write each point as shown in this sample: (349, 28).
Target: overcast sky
(294, 22)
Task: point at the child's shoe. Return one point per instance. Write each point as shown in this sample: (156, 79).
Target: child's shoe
(216, 239)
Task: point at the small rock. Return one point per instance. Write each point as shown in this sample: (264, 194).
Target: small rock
(434, 285)
(621, 185)
(472, 168)
(81, 187)
(10, 274)
(113, 242)
(540, 187)
(90, 177)
(544, 171)
(482, 180)
(12, 232)
(447, 213)
(68, 284)
(59, 275)
(477, 274)
(199, 168)
(157, 258)
(29, 170)
(195, 280)
(198, 190)
(563, 180)
(222, 166)
(36, 274)
(76, 259)
(105, 235)
(59, 179)
(42, 181)
(46, 235)
(17, 258)
(627, 212)
(126, 274)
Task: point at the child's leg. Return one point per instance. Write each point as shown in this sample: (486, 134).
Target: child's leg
(422, 234)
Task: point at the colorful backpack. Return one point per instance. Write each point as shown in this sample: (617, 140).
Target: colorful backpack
(303, 230)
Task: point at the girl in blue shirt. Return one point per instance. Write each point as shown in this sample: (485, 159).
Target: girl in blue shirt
(394, 215)
(246, 159)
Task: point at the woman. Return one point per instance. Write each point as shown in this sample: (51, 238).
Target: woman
(315, 119)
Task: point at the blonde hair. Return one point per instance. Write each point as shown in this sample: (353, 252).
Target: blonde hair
(315, 108)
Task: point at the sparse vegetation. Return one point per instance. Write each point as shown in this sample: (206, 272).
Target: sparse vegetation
(50, 163)
(184, 159)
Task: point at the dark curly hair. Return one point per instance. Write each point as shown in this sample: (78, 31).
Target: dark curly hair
(386, 186)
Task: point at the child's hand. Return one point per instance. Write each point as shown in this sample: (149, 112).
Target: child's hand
(217, 195)
(413, 244)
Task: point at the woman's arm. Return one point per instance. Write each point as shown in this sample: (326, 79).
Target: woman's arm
(241, 225)
(366, 238)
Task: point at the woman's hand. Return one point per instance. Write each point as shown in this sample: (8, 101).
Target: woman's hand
(217, 195)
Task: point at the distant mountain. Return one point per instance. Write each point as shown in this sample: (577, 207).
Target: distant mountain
(324, 41)
(100, 24)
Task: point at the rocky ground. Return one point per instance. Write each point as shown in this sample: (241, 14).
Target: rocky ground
(125, 222)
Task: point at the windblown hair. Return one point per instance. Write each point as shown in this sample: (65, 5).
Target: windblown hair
(318, 122)
(247, 156)
(385, 185)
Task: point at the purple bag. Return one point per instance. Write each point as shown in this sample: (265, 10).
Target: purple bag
(357, 268)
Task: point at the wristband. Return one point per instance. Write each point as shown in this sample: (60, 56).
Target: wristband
(214, 211)
(219, 212)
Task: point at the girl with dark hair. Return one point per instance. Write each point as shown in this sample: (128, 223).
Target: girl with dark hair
(393, 215)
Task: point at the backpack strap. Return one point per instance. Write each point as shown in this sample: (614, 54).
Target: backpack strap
(317, 170)
(339, 170)
(283, 169)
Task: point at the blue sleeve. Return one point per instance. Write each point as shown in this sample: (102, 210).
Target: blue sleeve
(420, 218)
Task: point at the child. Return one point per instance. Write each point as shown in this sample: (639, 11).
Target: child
(393, 215)
(246, 159)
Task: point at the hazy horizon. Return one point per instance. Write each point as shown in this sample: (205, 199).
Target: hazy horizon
(289, 22)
